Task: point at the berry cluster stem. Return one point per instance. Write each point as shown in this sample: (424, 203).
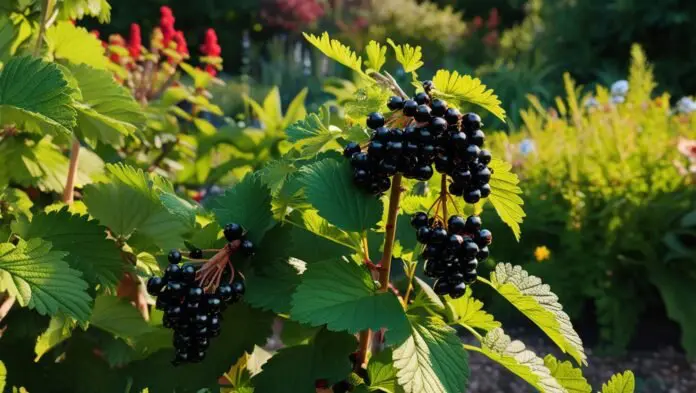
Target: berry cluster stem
(394, 200)
(69, 190)
(443, 199)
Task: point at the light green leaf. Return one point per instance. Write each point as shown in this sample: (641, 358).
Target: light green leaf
(78, 9)
(337, 51)
(353, 303)
(107, 110)
(118, 317)
(432, 359)
(17, 202)
(365, 101)
(469, 312)
(40, 279)
(524, 363)
(129, 204)
(425, 295)
(14, 30)
(59, 329)
(247, 203)
(620, 383)
(376, 55)
(505, 195)
(299, 367)
(275, 173)
(567, 376)
(89, 251)
(411, 58)
(312, 137)
(3, 376)
(296, 110)
(330, 189)
(68, 42)
(35, 97)
(458, 89)
(536, 301)
(382, 373)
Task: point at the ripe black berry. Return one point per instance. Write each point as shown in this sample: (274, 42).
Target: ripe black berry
(238, 288)
(247, 248)
(375, 120)
(155, 284)
(410, 107)
(482, 254)
(473, 224)
(172, 272)
(422, 113)
(441, 287)
(452, 116)
(457, 290)
(438, 125)
(485, 190)
(438, 235)
(438, 107)
(174, 256)
(233, 232)
(422, 98)
(428, 85)
(419, 220)
(485, 238)
(351, 149)
(188, 273)
(395, 103)
(471, 122)
(477, 138)
(423, 234)
(456, 224)
(485, 157)
(472, 196)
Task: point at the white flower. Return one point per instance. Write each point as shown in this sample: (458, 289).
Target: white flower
(618, 99)
(527, 146)
(686, 105)
(619, 88)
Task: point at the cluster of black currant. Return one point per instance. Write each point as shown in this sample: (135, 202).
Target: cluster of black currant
(192, 308)
(435, 134)
(452, 254)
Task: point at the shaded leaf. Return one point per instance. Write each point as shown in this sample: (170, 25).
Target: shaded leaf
(118, 317)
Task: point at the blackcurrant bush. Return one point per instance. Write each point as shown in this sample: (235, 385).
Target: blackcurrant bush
(485, 190)
(410, 107)
(452, 116)
(174, 256)
(419, 220)
(441, 287)
(439, 107)
(483, 254)
(375, 120)
(351, 149)
(247, 248)
(233, 232)
(456, 224)
(155, 284)
(438, 235)
(422, 113)
(472, 196)
(471, 122)
(423, 234)
(457, 290)
(422, 98)
(395, 103)
(485, 157)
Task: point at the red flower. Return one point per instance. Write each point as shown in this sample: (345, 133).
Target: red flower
(211, 69)
(181, 45)
(477, 22)
(210, 45)
(493, 19)
(135, 41)
(167, 25)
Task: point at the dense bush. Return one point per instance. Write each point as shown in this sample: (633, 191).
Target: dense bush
(604, 195)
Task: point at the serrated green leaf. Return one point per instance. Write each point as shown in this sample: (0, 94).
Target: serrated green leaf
(35, 97)
(382, 373)
(524, 363)
(330, 188)
(376, 55)
(59, 330)
(620, 383)
(568, 377)
(118, 317)
(312, 137)
(74, 44)
(78, 9)
(324, 357)
(247, 203)
(107, 110)
(337, 51)
(469, 312)
(458, 89)
(353, 303)
(372, 98)
(275, 173)
(295, 333)
(89, 251)
(17, 202)
(505, 195)
(432, 359)
(40, 279)
(536, 301)
(128, 204)
(14, 30)
(179, 207)
(411, 58)
(426, 296)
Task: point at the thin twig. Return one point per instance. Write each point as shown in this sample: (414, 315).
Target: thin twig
(393, 214)
(443, 198)
(69, 190)
(6, 305)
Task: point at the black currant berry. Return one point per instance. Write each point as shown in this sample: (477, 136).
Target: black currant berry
(196, 356)
(452, 116)
(422, 113)
(457, 290)
(439, 107)
(438, 235)
(194, 294)
(469, 250)
(470, 277)
(196, 253)
(471, 122)
(381, 134)
(174, 256)
(233, 232)
(188, 273)
(225, 292)
(443, 164)
(456, 189)
(247, 248)
(423, 234)
(458, 140)
(485, 238)
(483, 254)
(428, 85)
(477, 138)
(471, 153)
(172, 272)
(155, 285)
(395, 103)
(214, 304)
(485, 190)
(485, 157)
(410, 107)
(422, 98)
(441, 287)
(473, 224)
(456, 224)
(375, 120)
(419, 220)
(360, 160)
(351, 149)
(238, 288)
(482, 176)
(433, 268)
(424, 172)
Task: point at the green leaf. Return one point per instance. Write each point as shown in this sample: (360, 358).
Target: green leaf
(505, 195)
(568, 377)
(68, 42)
(296, 110)
(469, 312)
(40, 279)
(675, 288)
(524, 363)
(107, 110)
(353, 303)
(15, 29)
(365, 101)
(312, 137)
(17, 202)
(330, 188)
(426, 296)
(458, 89)
(118, 317)
(78, 9)
(382, 373)
(247, 203)
(620, 383)
(59, 329)
(35, 97)
(275, 173)
(3, 376)
(376, 56)
(89, 251)
(432, 359)
(337, 51)
(536, 301)
(411, 58)
(129, 204)
(299, 367)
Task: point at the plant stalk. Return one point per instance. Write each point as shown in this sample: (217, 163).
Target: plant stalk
(43, 21)
(443, 199)
(365, 339)
(69, 190)
(385, 263)
(6, 305)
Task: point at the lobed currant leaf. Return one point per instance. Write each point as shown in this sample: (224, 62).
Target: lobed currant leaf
(569, 377)
(460, 89)
(505, 195)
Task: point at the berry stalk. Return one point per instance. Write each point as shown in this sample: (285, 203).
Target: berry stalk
(69, 190)
(385, 263)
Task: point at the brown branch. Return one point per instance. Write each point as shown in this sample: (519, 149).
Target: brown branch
(69, 191)
(443, 198)
(6, 305)
(365, 340)
(394, 200)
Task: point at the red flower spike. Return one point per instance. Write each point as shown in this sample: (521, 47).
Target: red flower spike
(493, 19)
(135, 41)
(477, 22)
(181, 45)
(210, 45)
(210, 69)
(167, 25)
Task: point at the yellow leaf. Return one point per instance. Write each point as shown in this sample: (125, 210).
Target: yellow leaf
(376, 55)
(75, 44)
(3, 376)
(458, 88)
(469, 312)
(620, 383)
(337, 51)
(410, 57)
(569, 377)
(536, 301)
(505, 195)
